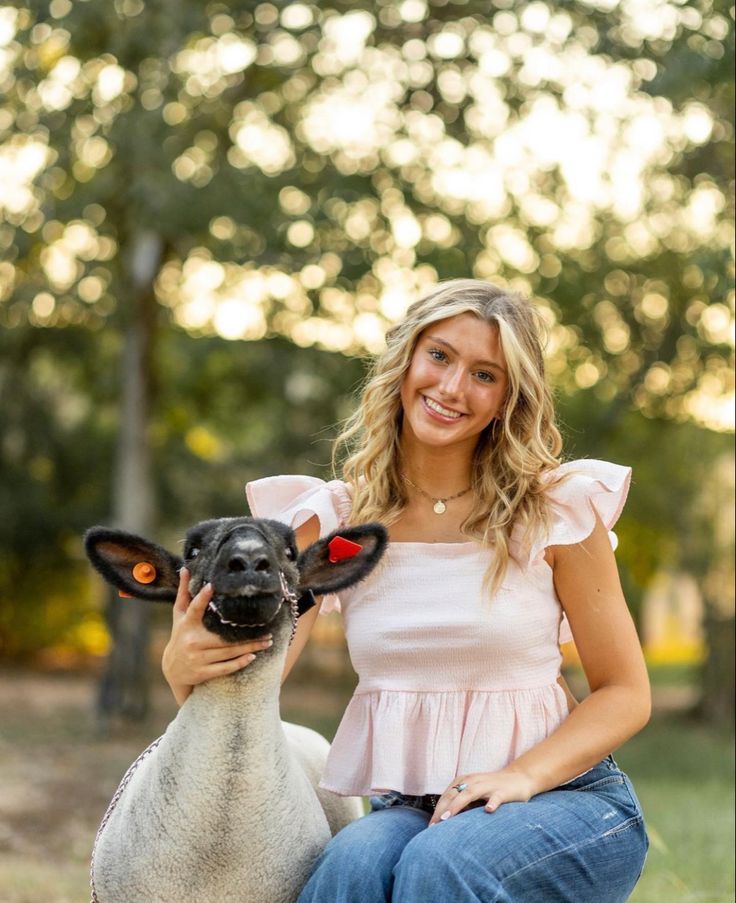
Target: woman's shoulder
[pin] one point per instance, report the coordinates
(579, 490)
(294, 498)
(589, 481)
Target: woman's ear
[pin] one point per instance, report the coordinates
(341, 559)
(132, 564)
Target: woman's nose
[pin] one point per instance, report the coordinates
(452, 381)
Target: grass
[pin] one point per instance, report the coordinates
(673, 675)
(56, 778)
(684, 777)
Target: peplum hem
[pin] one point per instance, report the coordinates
(294, 499)
(417, 742)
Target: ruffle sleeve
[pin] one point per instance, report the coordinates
(588, 487)
(294, 499)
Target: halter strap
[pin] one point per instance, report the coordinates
(287, 595)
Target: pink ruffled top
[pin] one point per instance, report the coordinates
(450, 681)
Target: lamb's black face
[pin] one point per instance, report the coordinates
(252, 564)
(243, 559)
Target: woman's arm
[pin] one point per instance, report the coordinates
(587, 583)
(588, 586)
(194, 654)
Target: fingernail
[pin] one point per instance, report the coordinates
(251, 657)
(268, 643)
(444, 816)
(207, 587)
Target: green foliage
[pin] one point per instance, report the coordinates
(223, 128)
(305, 171)
(665, 525)
(231, 412)
(55, 440)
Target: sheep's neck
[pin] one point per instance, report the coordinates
(224, 758)
(227, 743)
(228, 721)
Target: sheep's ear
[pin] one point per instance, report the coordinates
(341, 559)
(134, 565)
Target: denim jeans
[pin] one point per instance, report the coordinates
(583, 842)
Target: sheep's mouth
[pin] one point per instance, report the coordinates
(244, 610)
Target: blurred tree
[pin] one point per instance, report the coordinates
(248, 169)
(679, 517)
(55, 432)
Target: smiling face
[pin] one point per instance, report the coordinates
(456, 383)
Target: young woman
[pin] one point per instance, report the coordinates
(488, 782)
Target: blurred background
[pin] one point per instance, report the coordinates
(210, 213)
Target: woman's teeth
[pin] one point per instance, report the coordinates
(445, 412)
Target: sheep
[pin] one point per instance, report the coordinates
(224, 806)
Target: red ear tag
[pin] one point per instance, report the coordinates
(342, 548)
(144, 572)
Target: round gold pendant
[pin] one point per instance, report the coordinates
(439, 507)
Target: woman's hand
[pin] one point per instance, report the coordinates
(496, 787)
(193, 654)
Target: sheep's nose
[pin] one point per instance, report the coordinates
(239, 563)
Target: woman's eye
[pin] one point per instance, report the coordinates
(485, 376)
(437, 354)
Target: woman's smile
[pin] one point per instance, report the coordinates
(435, 409)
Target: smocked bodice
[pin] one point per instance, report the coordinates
(420, 621)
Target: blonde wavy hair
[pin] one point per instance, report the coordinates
(513, 454)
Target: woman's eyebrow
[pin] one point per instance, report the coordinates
(440, 341)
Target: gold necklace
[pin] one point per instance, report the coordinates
(439, 506)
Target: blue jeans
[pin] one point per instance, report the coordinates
(583, 842)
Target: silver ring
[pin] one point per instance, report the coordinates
(460, 787)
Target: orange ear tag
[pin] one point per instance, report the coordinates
(124, 595)
(342, 548)
(144, 572)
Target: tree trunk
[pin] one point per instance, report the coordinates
(123, 690)
(716, 705)
(717, 677)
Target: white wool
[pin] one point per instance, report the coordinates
(311, 749)
(225, 808)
